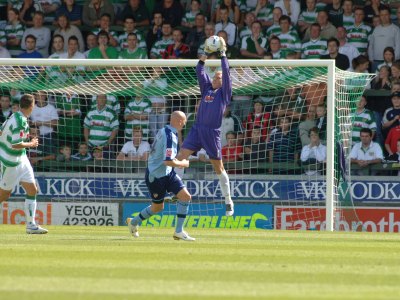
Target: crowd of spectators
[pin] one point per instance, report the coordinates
(361, 36)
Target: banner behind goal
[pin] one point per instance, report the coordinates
(96, 120)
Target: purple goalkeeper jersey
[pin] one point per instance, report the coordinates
(213, 102)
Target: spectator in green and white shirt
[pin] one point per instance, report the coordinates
(14, 31)
(129, 27)
(263, 12)
(111, 102)
(290, 40)
(362, 118)
(133, 51)
(159, 47)
(254, 46)
(189, 17)
(348, 16)
(358, 34)
(246, 30)
(100, 125)
(307, 16)
(137, 114)
(316, 46)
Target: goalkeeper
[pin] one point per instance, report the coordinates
(205, 133)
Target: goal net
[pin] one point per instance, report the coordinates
(285, 140)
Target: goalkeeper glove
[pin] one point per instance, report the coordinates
(222, 47)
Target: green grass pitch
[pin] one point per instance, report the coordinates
(106, 263)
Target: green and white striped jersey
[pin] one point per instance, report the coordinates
(358, 37)
(290, 42)
(122, 40)
(274, 29)
(101, 123)
(313, 49)
(13, 131)
(265, 13)
(308, 17)
(140, 106)
(190, 16)
(159, 47)
(364, 119)
(348, 21)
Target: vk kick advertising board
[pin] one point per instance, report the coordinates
(248, 216)
(269, 189)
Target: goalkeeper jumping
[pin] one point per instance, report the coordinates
(205, 133)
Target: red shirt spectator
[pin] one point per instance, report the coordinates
(257, 118)
(177, 49)
(232, 151)
(391, 140)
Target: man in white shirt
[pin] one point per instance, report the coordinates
(345, 48)
(226, 25)
(136, 149)
(45, 117)
(366, 153)
(314, 153)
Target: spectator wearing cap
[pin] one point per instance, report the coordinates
(258, 117)
(392, 115)
(137, 10)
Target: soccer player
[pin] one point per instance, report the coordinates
(205, 133)
(161, 178)
(15, 166)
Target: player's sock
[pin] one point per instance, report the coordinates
(225, 187)
(30, 210)
(143, 215)
(182, 209)
(180, 172)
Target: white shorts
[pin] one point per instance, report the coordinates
(12, 176)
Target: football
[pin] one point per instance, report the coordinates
(213, 44)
